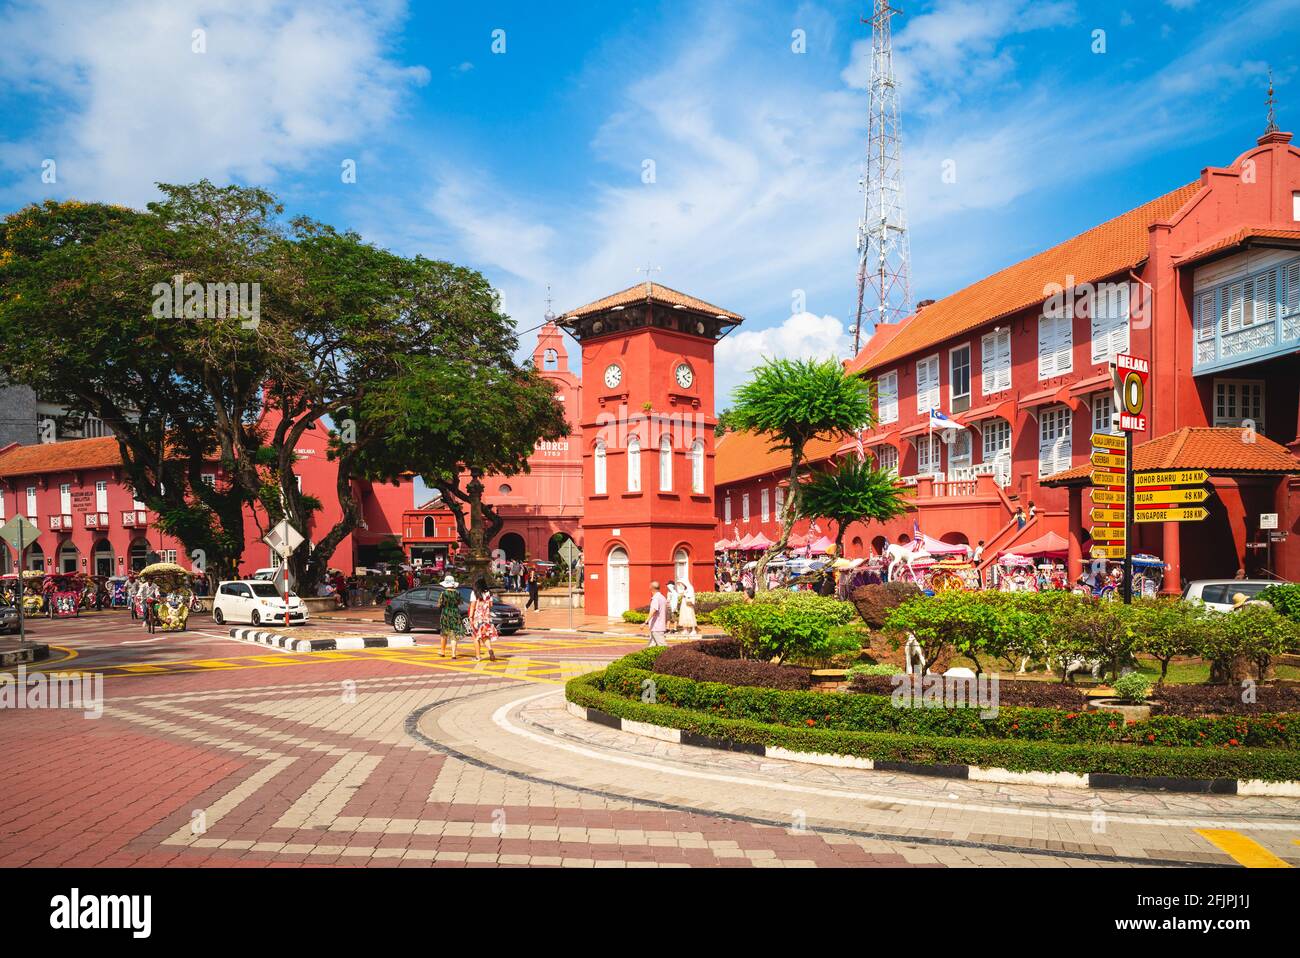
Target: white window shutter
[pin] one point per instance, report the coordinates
(1293, 289)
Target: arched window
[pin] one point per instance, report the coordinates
(682, 566)
(697, 466)
(633, 464)
(430, 528)
(665, 464)
(598, 467)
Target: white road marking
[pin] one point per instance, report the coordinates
(500, 719)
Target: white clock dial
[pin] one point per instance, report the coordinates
(613, 375)
(685, 376)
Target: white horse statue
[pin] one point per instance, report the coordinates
(904, 555)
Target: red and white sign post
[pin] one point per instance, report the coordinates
(1130, 376)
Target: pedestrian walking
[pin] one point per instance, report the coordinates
(686, 621)
(480, 620)
(979, 552)
(1033, 509)
(657, 622)
(450, 622)
(534, 593)
(673, 599)
(1020, 517)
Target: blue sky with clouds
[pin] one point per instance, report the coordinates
(528, 163)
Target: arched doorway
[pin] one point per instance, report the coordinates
(35, 557)
(618, 582)
(855, 547)
(68, 556)
(102, 557)
(955, 539)
(879, 544)
(555, 544)
(137, 557)
(681, 565)
(430, 528)
(512, 544)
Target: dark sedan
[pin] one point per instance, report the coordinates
(419, 608)
(8, 618)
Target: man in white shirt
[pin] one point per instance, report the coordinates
(657, 622)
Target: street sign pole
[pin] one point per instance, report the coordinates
(22, 626)
(1128, 518)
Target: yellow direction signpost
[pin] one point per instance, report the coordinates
(1107, 552)
(1107, 460)
(1102, 477)
(1151, 497)
(1108, 534)
(1105, 440)
(1171, 514)
(1102, 496)
(1108, 515)
(1170, 477)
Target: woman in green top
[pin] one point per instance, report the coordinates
(449, 617)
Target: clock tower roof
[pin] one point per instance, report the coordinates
(649, 305)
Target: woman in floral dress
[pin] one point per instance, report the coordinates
(480, 621)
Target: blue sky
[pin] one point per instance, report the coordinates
(528, 163)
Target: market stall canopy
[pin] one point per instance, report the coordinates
(821, 545)
(1048, 544)
(722, 545)
(937, 547)
(797, 541)
(743, 542)
(760, 541)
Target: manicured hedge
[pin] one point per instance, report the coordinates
(719, 660)
(1010, 692)
(877, 713)
(1201, 763)
(1191, 700)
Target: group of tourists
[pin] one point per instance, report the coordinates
(672, 612)
(478, 619)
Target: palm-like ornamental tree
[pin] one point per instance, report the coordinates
(854, 491)
(794, 401)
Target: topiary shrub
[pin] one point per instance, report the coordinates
(781, 624)
(1285, 597)
(636, 616)
(1133, 687)
(718, 660)
(875, 601)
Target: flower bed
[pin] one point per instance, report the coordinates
(719, 660)
(1018, 738)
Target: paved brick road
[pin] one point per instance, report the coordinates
(213, 751)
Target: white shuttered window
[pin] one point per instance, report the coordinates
(995, 361)
(1054, 440)
(1055, 346)
(927, 384)
(887, 397)
(1110, 307)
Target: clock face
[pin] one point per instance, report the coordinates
(685, 376)
(613, 375)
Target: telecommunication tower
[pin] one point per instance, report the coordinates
(884, 258)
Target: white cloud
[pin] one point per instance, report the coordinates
(801, 335)
(278, 84)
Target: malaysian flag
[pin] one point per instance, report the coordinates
(939, 421)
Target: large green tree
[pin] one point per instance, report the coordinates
(793, 402)
(454, 421)
(853, 491)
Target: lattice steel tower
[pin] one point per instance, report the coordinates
(884, 259)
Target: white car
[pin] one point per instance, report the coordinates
(1217, 593)
(256, 602)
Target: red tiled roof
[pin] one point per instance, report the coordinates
(655, 293)
(1116, 245)
(744, 455)
(1217, 450)
(60, 457)
(1236, 238)
(880, 337)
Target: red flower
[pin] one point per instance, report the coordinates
(812, 722)
(1232, 741)
(1112, 724)
(1069, 715)
(1151, 738)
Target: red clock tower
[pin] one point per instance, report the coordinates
(647, 433)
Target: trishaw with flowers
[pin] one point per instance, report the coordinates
(169, 590)
(62, 594)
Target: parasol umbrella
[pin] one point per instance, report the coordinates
(1048, 544)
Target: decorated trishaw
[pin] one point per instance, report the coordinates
(117, 592)
(1016, 573)
(28, 585)
(168, 590)
(63, 592)
(954, 573)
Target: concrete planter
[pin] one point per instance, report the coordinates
(1131, 711)
(829, 680)
(318, 604)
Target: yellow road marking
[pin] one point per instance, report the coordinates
(1243, 850)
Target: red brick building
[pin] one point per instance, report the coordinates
(1203, 281)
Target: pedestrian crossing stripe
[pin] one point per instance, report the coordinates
(1243, 850)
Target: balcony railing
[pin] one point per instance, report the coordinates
(134, 519)
(61, 523)
(96, 520)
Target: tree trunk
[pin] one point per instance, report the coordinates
(787, 523)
